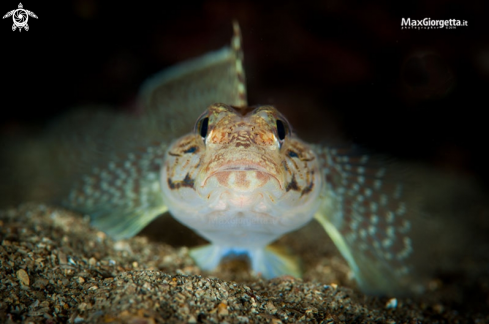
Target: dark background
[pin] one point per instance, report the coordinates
(342, 68)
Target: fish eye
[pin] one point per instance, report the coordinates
(203, 127)
(281, 130)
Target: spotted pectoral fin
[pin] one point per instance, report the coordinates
(123, 196)
(368, 208)
(273, 262)
(373, 272)
(175, 97)
(121, 215)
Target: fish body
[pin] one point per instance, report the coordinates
(241, 178)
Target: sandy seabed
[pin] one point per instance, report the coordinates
(56, 269)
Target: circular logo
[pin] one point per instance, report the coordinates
(20, 18)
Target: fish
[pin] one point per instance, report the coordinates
(238, 175)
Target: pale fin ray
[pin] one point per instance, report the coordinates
(125, 224)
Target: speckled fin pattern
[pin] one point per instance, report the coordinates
(119, 186)
(367, 209)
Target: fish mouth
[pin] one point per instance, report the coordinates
(255, 171)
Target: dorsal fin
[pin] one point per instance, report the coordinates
(175, 97)
(237, 46)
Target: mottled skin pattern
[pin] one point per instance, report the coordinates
(241, 179)
(240, 185)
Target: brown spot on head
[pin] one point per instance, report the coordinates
(292, 185)
(186, 182)
(307, 189)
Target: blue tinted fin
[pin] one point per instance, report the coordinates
(273, 262)
(269, 262)
(207, 257)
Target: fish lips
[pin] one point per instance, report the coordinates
(242, 176)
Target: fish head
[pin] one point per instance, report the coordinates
(241, 169)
